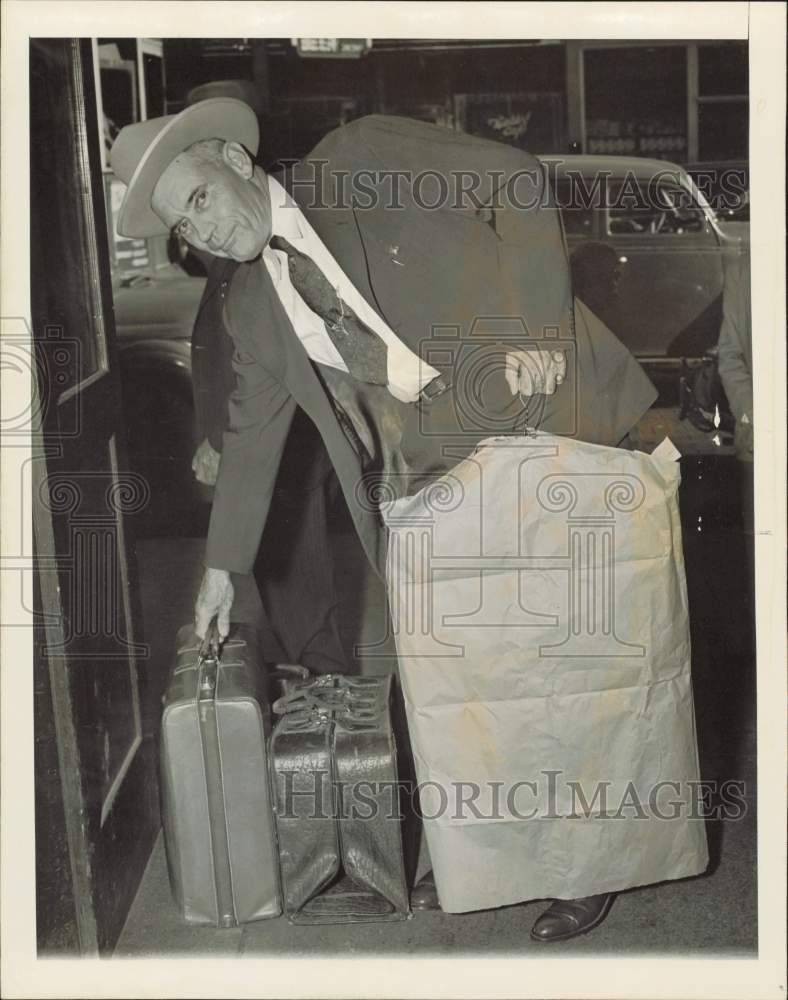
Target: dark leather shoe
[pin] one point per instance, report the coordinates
(567, 918)
(425, 894)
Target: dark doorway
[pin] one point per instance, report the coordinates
(96, 813)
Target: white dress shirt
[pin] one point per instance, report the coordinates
(407, 373)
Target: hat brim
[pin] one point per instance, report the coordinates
(217, 118)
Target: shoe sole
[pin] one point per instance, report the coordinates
(565, 937)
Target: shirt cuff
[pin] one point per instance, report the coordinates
(407, 373)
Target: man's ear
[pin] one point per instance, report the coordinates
(235, 156)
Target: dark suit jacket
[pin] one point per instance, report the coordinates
(472, 280)
(306, 466)
(212, 350)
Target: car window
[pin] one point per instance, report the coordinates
(725, 188)
(578, 219)
(659, 210)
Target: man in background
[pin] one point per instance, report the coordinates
(735, 367)
(596, 273)
(735, 351)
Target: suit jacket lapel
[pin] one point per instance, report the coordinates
(261, 315)
(219, 272)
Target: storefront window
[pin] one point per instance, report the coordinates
(723, 81)
(722, 69)
(529, 121)
(722, 130)
(636, 101)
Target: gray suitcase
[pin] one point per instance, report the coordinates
(216, 808)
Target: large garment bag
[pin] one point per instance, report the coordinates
(539, 606)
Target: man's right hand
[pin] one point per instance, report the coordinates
(205, 464)
(214, 599)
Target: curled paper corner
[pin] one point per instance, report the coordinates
(666, 451)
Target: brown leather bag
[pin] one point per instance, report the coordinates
(334, 776)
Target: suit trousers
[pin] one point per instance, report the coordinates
(294, 568)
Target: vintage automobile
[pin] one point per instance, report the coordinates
(155, 306)
(668, 242)
(648, 255)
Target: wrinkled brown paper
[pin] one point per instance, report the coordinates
(539, 603)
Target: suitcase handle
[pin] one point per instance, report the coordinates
(324, 695)
(211, 645)
(291, 676)
(290, 672)
(303, 699)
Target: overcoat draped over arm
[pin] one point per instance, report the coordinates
(490, 271)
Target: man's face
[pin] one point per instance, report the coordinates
(221, 207)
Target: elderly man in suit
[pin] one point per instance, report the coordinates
(296, 582)
(393, 261)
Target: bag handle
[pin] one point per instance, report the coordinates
(306, 698)
(293, 672)
(211, 645)
(334, 695)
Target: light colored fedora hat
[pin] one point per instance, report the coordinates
(143, 151)
(240, 90)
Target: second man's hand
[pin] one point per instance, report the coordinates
(205, 464)
(215, 599)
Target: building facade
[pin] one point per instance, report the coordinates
(684, 101)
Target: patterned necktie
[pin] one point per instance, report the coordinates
(361, 349)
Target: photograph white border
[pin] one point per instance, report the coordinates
(719, 977)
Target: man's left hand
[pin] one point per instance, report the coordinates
(532, 373)
(215, 599)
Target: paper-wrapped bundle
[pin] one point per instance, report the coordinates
(539, 603)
